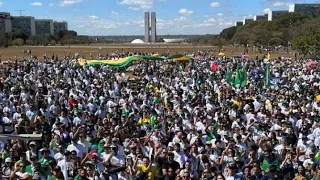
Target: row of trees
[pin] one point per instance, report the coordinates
(299, 30)
(17, 37)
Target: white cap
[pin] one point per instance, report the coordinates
(8, 160)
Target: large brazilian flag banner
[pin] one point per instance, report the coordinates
(119, 63)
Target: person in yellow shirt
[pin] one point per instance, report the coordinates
(145, 169)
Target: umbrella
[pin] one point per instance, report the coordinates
(214, 67)
(184, 58)
(310, 63)
(221, 54)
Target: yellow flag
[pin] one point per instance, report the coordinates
(268, 57)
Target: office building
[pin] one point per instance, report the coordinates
(246, 21)
(5, 22)
(153, 27)
(146, 27)
(261, 17)
(26, 23)
(44, 27)
(272, 15)
(312, 10)
(59, 26)
(238, 23)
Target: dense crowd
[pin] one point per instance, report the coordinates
(160, 120)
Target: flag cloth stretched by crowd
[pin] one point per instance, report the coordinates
(240, 79)
(229, 77)
(268, 56)
(121, 62)
(267, 76)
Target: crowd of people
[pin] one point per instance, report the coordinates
(160, 121)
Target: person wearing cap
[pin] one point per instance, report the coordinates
(32, 150)
(46, 161)
(94, 160)
(6, 168)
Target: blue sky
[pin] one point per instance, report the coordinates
(125, 17)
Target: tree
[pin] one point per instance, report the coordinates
(66, 33)
(18, 42)
(3, 40)
(220, 42)
(275, 41)
(53, 42)
(17, 34)
(228, 33)
(306, 44)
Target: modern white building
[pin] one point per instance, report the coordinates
(59, 26)
(246, 21)
(5, 22)
(44, 27)
(238, 23)
(272, 15)
(26, 23)
(261, 17)
(308, 9)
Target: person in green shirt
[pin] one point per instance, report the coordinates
(46, 161)
(56, 174)
(126, 110)
(81, 174)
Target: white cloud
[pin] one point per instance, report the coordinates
(185, 12)
(142, 4)
(215, 4)
(93, 17)
(36, 4)
(220, 14)
(266, 10)
(114, 13)
(250, 16)
(69, 2)
(1, 3)
(279, 4)
(134, 8)
(51, 4)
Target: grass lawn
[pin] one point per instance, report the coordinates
(95, 49)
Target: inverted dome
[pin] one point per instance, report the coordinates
(137, 41)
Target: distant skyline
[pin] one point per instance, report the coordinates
(125, 17)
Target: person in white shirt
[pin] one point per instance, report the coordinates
(79, 120)
(75, 146)
(8, 124)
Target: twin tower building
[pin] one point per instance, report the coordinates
(150, 34)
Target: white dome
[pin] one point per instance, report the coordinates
(137, 41)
